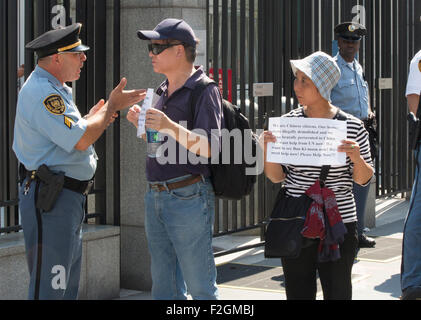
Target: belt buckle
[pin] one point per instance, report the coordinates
(155, 187)
(88, 187)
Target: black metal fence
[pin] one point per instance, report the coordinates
(254, 40)
(249, 41)
(40, 16)
(8, 95)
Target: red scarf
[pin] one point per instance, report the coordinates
(324, 207)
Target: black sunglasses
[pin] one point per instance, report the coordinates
(156, 48)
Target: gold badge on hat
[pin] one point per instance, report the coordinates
(55, 104)
(352, 28)
(419, 65)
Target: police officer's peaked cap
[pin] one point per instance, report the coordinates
(59, 40)
(350, 30)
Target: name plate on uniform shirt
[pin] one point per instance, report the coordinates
(304, 141)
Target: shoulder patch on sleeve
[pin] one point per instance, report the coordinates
(68, 122)
(55, 104)
(419, 65)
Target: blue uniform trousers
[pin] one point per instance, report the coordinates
(360, 195)
(53, 242)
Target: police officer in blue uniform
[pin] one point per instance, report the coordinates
(352, 96)
(53, 144)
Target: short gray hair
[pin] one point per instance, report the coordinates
(191, 52)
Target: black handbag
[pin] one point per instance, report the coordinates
(283, 237)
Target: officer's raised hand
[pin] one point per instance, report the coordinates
(99, 120)
(121, 99)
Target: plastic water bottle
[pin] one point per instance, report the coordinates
(154, 142)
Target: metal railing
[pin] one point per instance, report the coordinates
(8, 97)
(232, 44)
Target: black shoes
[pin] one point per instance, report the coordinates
(411, 293)
(366, 242)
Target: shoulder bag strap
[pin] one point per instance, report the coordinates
(323, 175)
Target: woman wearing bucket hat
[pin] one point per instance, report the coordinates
(315, 76)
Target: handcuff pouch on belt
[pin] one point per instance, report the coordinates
(50, 188)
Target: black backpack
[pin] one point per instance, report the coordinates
(230, 181)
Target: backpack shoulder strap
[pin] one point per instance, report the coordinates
(201, 86)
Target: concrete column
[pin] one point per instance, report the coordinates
(136, 67)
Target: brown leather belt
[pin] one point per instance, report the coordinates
(175, 185)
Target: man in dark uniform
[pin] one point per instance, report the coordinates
(53, 143)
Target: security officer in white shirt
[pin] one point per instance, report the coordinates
(53, 143)
(411, 253)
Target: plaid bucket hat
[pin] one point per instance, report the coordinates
(322, 69)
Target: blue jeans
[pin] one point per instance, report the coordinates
(411, 252)
(179, 227)
(360, 196)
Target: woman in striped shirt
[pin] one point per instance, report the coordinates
(316, 75)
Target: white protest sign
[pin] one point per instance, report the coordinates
(304, 141)
(147, 104)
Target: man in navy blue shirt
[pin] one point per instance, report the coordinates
(179, 203)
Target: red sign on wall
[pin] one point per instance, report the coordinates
(220, 82)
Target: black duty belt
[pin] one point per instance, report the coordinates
(83, 187)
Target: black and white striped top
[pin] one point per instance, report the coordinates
(339, 179)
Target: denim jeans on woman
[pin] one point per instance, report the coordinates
(179, 228)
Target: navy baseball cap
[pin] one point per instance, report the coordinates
(170, 29)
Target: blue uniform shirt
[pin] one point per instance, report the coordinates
(351, 92)
(47, 127)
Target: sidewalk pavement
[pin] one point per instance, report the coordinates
(247, 275)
